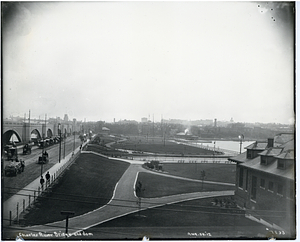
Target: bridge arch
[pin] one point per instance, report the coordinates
(35, 135)
(49, 133)
(11, 136)
(65, 132)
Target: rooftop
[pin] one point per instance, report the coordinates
(273, 151)
(271, 168)
(281, 150)
(257, 145)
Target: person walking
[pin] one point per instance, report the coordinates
(42, 181)
(48, 178)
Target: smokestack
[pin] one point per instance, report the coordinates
(270, 142)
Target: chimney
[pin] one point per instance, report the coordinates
(270, 142)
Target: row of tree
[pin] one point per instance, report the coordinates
(232, 131)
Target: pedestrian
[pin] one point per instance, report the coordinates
(22, 164)
(48, 178)
(42, 181)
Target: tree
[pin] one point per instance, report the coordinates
(138, 190)
(202, 176)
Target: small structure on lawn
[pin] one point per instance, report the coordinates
(105, 131)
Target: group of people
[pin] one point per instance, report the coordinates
(42, 180)
(47, 176)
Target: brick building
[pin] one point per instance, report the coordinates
(265, 182)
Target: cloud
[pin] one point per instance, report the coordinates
(117, 59)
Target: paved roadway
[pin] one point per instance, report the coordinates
(30, 178)
(11, 184)
(53, 151)
(123, 202)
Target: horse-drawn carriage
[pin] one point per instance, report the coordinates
(27, 149)
(15, 165)
(11, 151)
(44, 158)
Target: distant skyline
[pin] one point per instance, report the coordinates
(156, 120)
(128, 60)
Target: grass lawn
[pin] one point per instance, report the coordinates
(157, 186)
(87, 185)
(187, 220)
(108, 139)
(104, 150)
(158, 146)
(213, 172)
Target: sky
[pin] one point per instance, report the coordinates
(127, 60)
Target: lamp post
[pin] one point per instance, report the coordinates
(214, 151)
(44, 144)
(42, 166)
(59, 132)
(64, 145)
(29, 127)
(241, 137)
(74, 143)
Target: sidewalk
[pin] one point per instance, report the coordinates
(16, 204)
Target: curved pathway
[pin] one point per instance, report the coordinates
(124, 202)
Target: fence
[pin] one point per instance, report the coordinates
(32, 195)
(207, 147)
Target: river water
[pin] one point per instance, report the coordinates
(226, 145)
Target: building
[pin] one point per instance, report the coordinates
(105, 131)
(144, 120)
(265, 182)
(66, 118)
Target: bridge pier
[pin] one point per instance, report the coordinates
(26, 135)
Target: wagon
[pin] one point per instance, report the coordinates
(14, 168)
(43, 159)
(27, 149)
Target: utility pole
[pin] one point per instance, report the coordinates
(45, 125)
(42, 166)
(153, 127)
(74, 142)
(64, 145)
(43, 157)
(29, 126)
(59, 132)
(161, 125)
(214, 151)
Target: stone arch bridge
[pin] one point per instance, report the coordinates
(23, 132)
